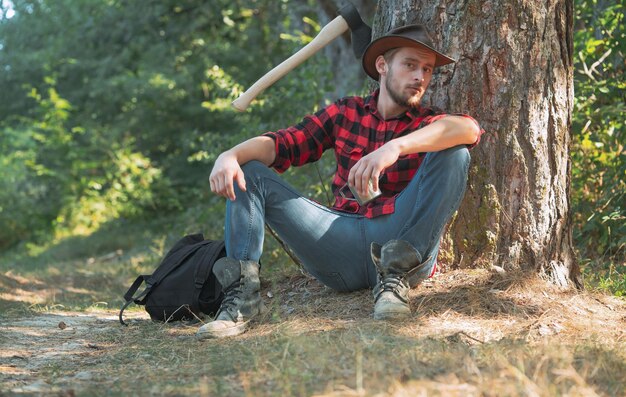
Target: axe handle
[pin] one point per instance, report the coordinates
(328, 33)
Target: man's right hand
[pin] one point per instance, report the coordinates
(225, 171)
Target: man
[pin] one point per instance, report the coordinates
(416, 156)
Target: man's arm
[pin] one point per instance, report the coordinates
(439, 135)
(227, 167)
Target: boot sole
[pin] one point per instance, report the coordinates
(392, 315)
(235, 330)
(224, 332)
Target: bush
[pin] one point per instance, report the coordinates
(598, 153)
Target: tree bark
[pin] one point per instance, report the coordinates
(514, 74)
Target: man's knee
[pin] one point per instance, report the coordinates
(451, 161)
(255, 171)
(254, 167)
(457, 155)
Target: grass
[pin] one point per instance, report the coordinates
(608, 275)
(473, 333)
(314, 356)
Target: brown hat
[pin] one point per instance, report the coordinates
(404, 36)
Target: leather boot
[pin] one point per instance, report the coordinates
(397, 263)
(242, 298)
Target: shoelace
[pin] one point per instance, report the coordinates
(229, 298)
(391, 284)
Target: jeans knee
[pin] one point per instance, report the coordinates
(454, 160)
(253, 167)
(255, 171)
(459, 156)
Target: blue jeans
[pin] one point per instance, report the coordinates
(334, 246)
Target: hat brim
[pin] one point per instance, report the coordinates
(386, 43)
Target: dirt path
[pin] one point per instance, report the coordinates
(33, 346)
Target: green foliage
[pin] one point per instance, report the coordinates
(123, 114)
(34, 154)
(606, 276)
(599, 154)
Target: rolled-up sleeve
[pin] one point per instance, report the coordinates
(306, 141)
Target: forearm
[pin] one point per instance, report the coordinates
(261, 148)
(227, 167)
(440, 135)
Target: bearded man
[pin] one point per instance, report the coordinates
(406, 168)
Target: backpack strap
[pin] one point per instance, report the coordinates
(129, 298)
(211, 253)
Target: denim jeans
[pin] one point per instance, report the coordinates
(334, 246)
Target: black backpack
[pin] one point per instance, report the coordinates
(183, 286)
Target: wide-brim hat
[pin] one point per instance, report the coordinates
(404, 36)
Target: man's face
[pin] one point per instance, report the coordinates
(408, 74)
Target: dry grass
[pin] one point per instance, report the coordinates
(474, 333)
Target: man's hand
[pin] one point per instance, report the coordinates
(227, 167)
(225, 171)
(371, 166)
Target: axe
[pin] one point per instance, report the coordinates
(348, 18)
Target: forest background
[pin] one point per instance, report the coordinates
(112, 113)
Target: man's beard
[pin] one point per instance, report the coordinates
(412, 101)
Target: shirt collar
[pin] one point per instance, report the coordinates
(371, 102)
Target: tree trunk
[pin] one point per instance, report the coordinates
(514, 74)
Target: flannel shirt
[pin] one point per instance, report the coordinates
(353, 127)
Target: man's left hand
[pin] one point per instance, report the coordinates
(369, 167)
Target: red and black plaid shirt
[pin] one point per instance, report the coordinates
(353, 127)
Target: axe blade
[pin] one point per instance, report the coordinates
(360, 32)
